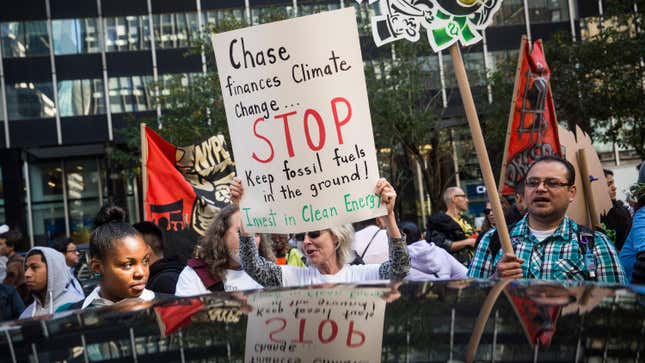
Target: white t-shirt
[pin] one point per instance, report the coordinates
(378, 252)
(541, 235)
(189, 283)
(298, 276)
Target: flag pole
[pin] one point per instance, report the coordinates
(480, 147)
(509, 128)
(144, 168)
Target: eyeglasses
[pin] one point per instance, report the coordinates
(73, 251)
(487, 211)
(312, 235)
(460, 196)
(548, 183)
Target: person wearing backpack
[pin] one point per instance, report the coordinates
(548, 244)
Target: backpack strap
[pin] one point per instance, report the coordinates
(370, 243)
(495, 244)
(201, 268)
(586, 244)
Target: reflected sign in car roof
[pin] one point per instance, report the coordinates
(418, 322)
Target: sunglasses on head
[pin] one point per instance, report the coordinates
(312, 235)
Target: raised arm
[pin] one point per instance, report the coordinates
(265, 272)
(398, 265)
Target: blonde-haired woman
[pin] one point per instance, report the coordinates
(328, 252)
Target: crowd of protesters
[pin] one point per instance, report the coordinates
(128, 261)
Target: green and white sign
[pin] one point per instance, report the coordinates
(445, 21)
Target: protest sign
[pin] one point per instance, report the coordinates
(532, 130)
(299, 120)
(316, 325)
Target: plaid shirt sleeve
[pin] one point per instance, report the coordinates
(481, 266)
(609, 268)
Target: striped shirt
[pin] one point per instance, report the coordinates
(558, 257)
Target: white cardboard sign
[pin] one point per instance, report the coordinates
(299, 120)
(316, 325)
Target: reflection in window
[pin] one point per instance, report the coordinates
(127, 33)
(2, 216)
(83, 196)
(510, 13)
(24, 39)
(501, 57)
(175, 30)
(46, 181)
(128, 94)
(270, 13)
(313, 8)
(546, 11)
(75, 36)
(216, 17)
(81, 97)
(474, 63)
(27, 100)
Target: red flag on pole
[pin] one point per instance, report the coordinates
(184, 187)
(533, 126)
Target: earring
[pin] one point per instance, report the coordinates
(337, 246)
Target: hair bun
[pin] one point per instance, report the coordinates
(110, 214)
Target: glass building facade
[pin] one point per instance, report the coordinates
(73, 71)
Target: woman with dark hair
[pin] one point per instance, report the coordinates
(120, 257)
(216, 263)
(328, 252)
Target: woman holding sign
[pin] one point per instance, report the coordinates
(328, 252)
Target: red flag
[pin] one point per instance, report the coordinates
(185, 188)
(533, 127)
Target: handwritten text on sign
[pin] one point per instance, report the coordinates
(316, 325)
(299, 120)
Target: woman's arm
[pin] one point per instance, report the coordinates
(265, 272)
(398, 265)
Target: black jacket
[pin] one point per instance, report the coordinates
(164, 274)
(443, 230)
(619, 219)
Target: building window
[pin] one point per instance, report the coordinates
(83, 197)
(27, 100)
(510, 13)
(315, 8)
(261, 15)
(75, 36)
(175, 30)
(47, 205)
(81, 97)
(547, 11)
(364, 14)
(130, 94)
(24, 39)
(216, 17)
(2, 215)
(127, 33)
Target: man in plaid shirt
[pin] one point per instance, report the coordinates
(545, 241)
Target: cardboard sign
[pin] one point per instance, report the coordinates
(299, 120)
(316, 325)
(446, 21)
(578, 208)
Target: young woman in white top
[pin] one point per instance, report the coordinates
(216, 262)
(328, 252)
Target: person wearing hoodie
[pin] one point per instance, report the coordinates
(49, 281)
(429, 262)
(164, 271)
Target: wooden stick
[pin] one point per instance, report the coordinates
(480, 147)
(482, 318)
(593, 219)
(511, 114)
(144, 168)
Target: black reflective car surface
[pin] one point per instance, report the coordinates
(484, 321)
